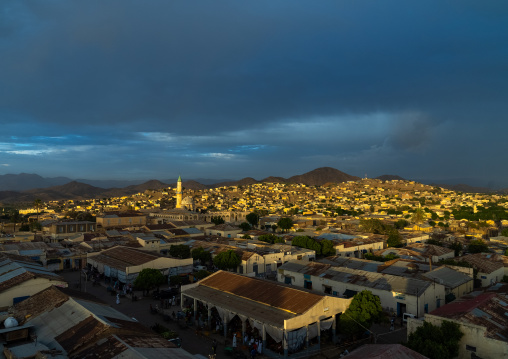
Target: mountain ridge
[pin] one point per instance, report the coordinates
(74, 189)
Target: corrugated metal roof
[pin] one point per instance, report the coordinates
(261, 291)
(379, 281)
(487, 310)
(448, 276)
(262, 312)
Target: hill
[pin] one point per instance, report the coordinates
(320, 176)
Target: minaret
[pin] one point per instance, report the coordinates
(179, 193)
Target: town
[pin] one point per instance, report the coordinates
(263, 269)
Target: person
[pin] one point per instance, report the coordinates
(214, 346)
(246, 339)
(253, 353)
(260, 347)
(392, 325)
(234, 340)
(118, 299)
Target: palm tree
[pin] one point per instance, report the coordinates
(418, 216)
(15, 218)
(37, 205)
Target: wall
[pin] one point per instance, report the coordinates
(327, 307)
(27, 288)
(474, 336)
(388, 299)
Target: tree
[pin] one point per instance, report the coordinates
(227, 260)
(364, 310)
(245, 226)
(437, 342)
(504, 232)
(274, 227)
(253, 219)
(201, 255)
(477, 246)
(217, 220)
(37, 205)
(401, 223)
(285, 223)
(268, 238)
(179, 251)
(15, 217)
(418, 216)
(457, 247)
(148, 278)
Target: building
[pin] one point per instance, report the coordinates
(456, 283)
(285, 318)
(63, 229)
(63, 323)
(397, 294)
(121, 219)
(21, 278)
(481, 318)
(124, 263)
(490, 270)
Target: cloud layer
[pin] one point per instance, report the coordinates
(228, 89)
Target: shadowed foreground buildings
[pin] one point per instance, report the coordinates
(483, 320)
(62, 323)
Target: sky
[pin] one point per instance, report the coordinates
(154, 89)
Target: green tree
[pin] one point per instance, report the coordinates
(37, 205)
(201, 274)
(327, 247)
(401, 223)
(148, 278)
(15, 218)
(437, 342)
(217, 220)
(394, 239)
(179, 251)
(285, 223)
(364, 310)
(201, 255)
(245, 226)
(457, 247)
(274, 227)
(418, 216)
(504, 232)
(253, 219)
(227, 260)
(477, 246)
(268, 238)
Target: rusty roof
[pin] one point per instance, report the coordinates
(429, 250)
(484, 262)
(262, 291)
(121, 257)
(80, 335)
(487, 310)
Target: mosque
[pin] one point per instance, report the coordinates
(185, 210)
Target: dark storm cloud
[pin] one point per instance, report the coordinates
(351, 85)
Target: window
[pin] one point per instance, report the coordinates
(307, 284)
(327, 289)
(471, 348)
